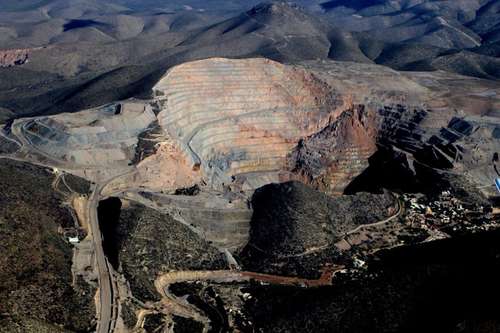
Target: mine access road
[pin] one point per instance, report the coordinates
(107, 310)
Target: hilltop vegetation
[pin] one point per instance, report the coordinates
(36, 287)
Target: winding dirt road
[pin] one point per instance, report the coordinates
(182, 308)
(380, 223)
(107, 307)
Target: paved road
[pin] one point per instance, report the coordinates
(105, 279)
(105, 283)
(108, 309)
(106, 297)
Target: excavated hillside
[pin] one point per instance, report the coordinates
(238, 120)
(238, 124)
(246, 123)
(98, 137)
(243, 164)
(331, 158)
(231, 126)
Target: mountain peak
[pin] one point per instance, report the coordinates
(275, 8)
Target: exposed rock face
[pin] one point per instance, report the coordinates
(238, 120)
(98, 138)
(247, 123)
(169, 156)
(239, 124)
(468, 145)
(332, 157)
(465, 144)
(16, 57)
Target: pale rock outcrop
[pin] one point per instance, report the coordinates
(97, 138)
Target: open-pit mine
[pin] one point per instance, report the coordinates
(241, 180)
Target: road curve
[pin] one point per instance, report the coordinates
(180, 306)
(399, 211)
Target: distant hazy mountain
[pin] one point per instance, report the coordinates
(449, 24)
(93, 52)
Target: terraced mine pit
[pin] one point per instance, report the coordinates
(101, 138)
(244, 134)
(238, 119)
(236, 125)
(241, 173)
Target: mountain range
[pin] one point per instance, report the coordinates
(73, 52)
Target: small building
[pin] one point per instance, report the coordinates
(74, 235)
(74, 240)
(497, 183)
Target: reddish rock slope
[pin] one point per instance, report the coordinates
(15, 57)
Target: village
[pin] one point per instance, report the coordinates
(447, 215)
